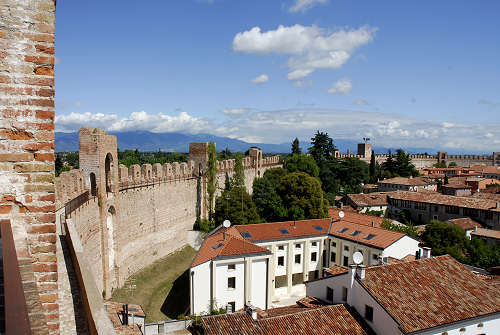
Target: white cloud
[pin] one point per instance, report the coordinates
(361, 102)
(234, 111)
(309, 47)
(302, 83)
(342, 86)
(304, 5)
(263, 78)
(279, 126)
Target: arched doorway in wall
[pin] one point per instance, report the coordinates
(108, 169)
(93, 185)
(110, 220)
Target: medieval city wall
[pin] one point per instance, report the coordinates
(156, 207)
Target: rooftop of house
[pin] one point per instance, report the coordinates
(355, 217)
(336, 270)
(370, 199)
(239, 240)
(225, 242)
(489, 233)
(457, 186)
(418, 181)
(486, 169)
(465, 223)
(326, 320)
(115, 309)
(409, 289)
(487, 195)
(448, 200)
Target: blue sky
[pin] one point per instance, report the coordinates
(408, 73)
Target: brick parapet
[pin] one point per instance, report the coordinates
(27, 149)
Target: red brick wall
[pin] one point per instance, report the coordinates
(27, 149)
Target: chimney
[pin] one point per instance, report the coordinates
(361, 272)
(352, 272)
(252, 311)
(417, 254)
(426, 252)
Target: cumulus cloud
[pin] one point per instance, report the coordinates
(304, 5)
(279, 126)
(263, 78)
(310, 48)
(234, 111)
(157, 123)
(342, 86)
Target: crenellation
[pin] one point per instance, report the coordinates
(167, 171)
(147, 172)
(157, 171)
(176, 170)
(134, 172)
(122, 173)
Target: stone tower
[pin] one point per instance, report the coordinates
(198, 152)
(365, 150)
(98, 159)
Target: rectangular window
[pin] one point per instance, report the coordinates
(231, 282)
(375, 257)
(231, 307)
(297, 278)
(297, 259)
(231, 266)
(334, 244)
(280, 281)
(329, 294)
(333, 257)
(281, 261)
(314, 256)
(281, 247)
(346, 261)
(346, 248)
(369, 313)
(344, 293)
(298, 246)
(314, 244)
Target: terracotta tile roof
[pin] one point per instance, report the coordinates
(485, 195)
(418, 181)
(465, 223)
(321, 321)
(486, 169)
(490, 233)
(336, 270)
(355, 217)
(311, 302)
(407, 258)
(449, 200)
(216, 246)
(239, 323)
(276, 230)
(430, 292)
(457, 186)
(113, 309)
(370, 199)
(371, 236)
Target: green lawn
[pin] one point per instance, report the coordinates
(162, 289)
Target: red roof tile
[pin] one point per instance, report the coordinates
(372, 236)
(216, 245)
(336, 270)
(354, 217)
(465, 223)
(239, 323)
(370, 199)
(419, 181)
(430, 292)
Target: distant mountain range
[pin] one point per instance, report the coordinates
(179, 142)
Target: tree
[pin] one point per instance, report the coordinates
(403, 165)
(373, 168)
(389, 165)
(268, 202)
(409, 230)
(237, 206)
(211, 175)
(440, 165)
(299, 190)
(296, 147)
(322, 147)
(452, 164)
(352, 172)
(446, 181)
(302, 163)
(482, 255)
(58, 165)
(446, 239)
(238, 179)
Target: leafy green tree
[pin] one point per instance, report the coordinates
(452, 164)
(446, 181)
(409, 230)
(389, 165)
(211, 175)
(225, 154)
(299, 190)
(296, 147)
(58, 165)
(446, 239)
(302, 163)
(482, 255)
(274, 176)
(440, 165)
(238, 179)
(353, 172)
(322, 147)
(404, 167)
(237, 206)
(268, 202)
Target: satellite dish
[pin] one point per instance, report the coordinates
(341, 214)
(226, 223)
(357, 257)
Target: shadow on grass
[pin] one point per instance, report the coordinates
(177, 300)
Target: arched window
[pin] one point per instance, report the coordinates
(109, 172)
(93, 185)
